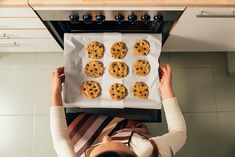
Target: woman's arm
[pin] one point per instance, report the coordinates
(173, 141)
(60, 138)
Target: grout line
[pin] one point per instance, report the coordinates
(33, 135)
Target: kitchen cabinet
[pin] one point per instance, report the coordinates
(17, 12)
(22, 31)
(21, 23)
(29, 45)
(203, 29)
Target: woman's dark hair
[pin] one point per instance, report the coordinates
(115, 154)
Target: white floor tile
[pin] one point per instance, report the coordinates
(16, 136)
(49, 60)
(17, 60)
(194, 89)
(42, 142)
(225, 90)
(202, 132)
(227, 133)
(163, 59)
(197, 59)
(17, 92)
(43, 92)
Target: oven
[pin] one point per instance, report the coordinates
(112, 19)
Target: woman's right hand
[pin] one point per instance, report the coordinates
(166, 82)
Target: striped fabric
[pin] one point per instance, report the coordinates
(87, 129)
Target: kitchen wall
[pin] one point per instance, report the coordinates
(205, 94)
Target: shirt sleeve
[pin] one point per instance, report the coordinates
(170, 143)
(60, 138)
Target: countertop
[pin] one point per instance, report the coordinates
(14, 3)
(137, 3)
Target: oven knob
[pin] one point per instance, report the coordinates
(119, 18)
(74, 18)
(158, 18)
(132, 18)
(145, 18)
(87, 18)
(100, 18)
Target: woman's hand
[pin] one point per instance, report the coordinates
(166, 82)
(57, 80)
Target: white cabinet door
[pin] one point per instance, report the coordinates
(29, 45)
(215, 31)
(21, 23)
(24, 34)
(16, 12)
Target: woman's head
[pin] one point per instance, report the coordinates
(110, 148)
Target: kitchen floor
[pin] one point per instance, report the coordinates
(205, 93)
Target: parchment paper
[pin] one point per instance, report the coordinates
(76, 58)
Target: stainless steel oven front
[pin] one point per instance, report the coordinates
(112, 19)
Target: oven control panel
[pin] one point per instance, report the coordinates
(101, 16)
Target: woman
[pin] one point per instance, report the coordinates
(139, 143)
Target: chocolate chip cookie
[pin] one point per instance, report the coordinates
(95, 50)
(141, 67)
(118, 69)
(141, 48)
(94, 69)
(140, 90)
(118, 91)
(118, 50)
(90, 89)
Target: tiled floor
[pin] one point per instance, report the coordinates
(205, 93)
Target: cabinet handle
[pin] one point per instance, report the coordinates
(4, 36)
(15, 44)
(205, 14)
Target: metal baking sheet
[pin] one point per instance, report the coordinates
(76, 58)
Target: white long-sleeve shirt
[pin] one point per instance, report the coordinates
(168, 144)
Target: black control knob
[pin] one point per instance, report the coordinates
(158, 18)
(145, 18)
(87, 18)
(119, 18)
(100, 18)
(74, 18)
(132, 18)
